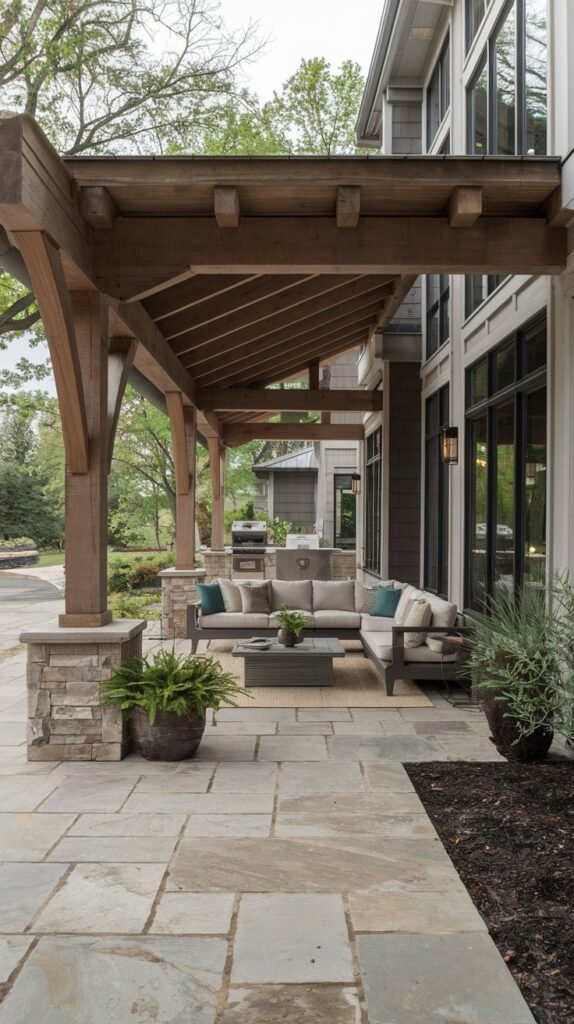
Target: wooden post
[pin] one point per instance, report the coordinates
(314, 375)
(86, 526)
(183, 436)
(217, 466)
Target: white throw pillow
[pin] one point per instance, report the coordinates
(333, 595)
(409, 594)
(231, 595)
(419, 614)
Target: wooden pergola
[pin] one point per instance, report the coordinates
(215, 278)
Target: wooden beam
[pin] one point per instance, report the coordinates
(120, 361)
(44, 266)
(557, 216)
(314, 371)
(217, 470)
(290, 400)
(239, 433)
(97, 207)
(348, 206)
(226, 206)
(183, 434)
(465, 207)
(86, 494)
(139, 250)
(191, 292)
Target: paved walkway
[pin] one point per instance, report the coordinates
(289, 874)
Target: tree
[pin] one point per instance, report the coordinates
(26, 509)
(104, 74)
(317, 107)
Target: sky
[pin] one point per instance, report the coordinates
(291, 31)
(304, 28)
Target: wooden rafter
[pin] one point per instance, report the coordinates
(192, 291)
(285, 400)
(240, 433)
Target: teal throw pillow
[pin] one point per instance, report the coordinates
(211, 599)
(386, 601)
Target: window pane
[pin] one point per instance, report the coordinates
(504, 367)
(505, 51)
(478, 513)
(535, 348)
(478, 382)
(474, 292)
(474, 14)
(536, 76)
(505, 474)
(345, 512)
(432, 424)
(373, 502)
(535, 490)
(478, 115)
(445, 80)
(432, 515)
(433, 105)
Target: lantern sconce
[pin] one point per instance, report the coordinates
(356, 483)
(449, 446)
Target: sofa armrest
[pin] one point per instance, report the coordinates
(399, 632)
(193, 611)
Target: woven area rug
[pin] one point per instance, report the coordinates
(357, 684)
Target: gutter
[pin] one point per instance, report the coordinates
(373, 83)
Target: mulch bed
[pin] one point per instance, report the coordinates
(509, 830)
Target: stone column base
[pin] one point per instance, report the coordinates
(65, 668)
(178, 590)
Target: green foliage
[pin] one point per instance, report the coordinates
(132, 606)
(317, 107)
(17, 543)
(26, 507)
(277, 530)
(290, 620)
(127, 574)
(168, 682)
(523, 650)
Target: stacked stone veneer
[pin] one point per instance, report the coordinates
(65, 720)
(178, 591)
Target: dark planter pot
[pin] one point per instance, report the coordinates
(289, 639)
(171, 738)
(506, 734)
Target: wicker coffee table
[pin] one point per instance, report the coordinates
(309, 663)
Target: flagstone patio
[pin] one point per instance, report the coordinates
(290, 873)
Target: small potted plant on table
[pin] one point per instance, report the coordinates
(291, 626)
(165, 699)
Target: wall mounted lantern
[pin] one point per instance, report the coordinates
(356, 483)
(449, 446)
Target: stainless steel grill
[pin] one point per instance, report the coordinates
(248, 536)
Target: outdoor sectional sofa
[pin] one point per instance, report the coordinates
(338, 609)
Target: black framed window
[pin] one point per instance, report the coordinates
(438, 94)
(345, 505)
(477, 288)
(506, 466)
(373, 499)
(436, 495)
(437, 318)
(507, 96)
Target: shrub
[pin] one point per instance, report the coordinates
(17, 544)
(132, 606)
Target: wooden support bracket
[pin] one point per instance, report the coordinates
(465, 207)
(44, 265)
(226, 206)
(348, 206)
(97, 207)
(120, 361)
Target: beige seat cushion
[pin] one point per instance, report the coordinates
(376, 623)
(443, 612)
(334, 595)
(309, 615)
(419, 614)
(297, 594)
(382, 645)
(234, 620)
(325, 619)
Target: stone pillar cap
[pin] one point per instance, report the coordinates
(117, 631)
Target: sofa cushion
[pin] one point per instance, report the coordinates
(256, 597)
(231, 595)
(419, 614)
(308, 615)
(211, 598)
(376, 623)
(293, 593)
(334, 595)
(386, 602)
(366, 594)
(409, 594)
(234, 620)
(443, 612)
(382, 645)
(336, 619)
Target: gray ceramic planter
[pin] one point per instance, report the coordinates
(171, 738)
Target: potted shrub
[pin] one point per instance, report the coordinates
(291, 625)
(514, 658)
(165, 699)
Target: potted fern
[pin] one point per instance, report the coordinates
(165, 699)
(292, 624)
(514, 656)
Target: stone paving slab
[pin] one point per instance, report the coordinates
(305, 728)
(313, 865)
(438, 979)
(249, 727)
(291, 938)
(97, 794)
(389, 776)
(292, 1004)
(114, 849)
(423, 912)
(29, 837)
(292, 748)
(12, 949)
(226, 748)
(306, 825)
(193, 913)
(24, 888)
(239, 777)
(228, 825)
(299, 779)
(127, 825)
(367, 805)
(191, 782)
(160, 979)
(103, 898)
(26, 792)
(391, 748)
(201, 803)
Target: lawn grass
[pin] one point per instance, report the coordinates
(58, 557)
(50, 558)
